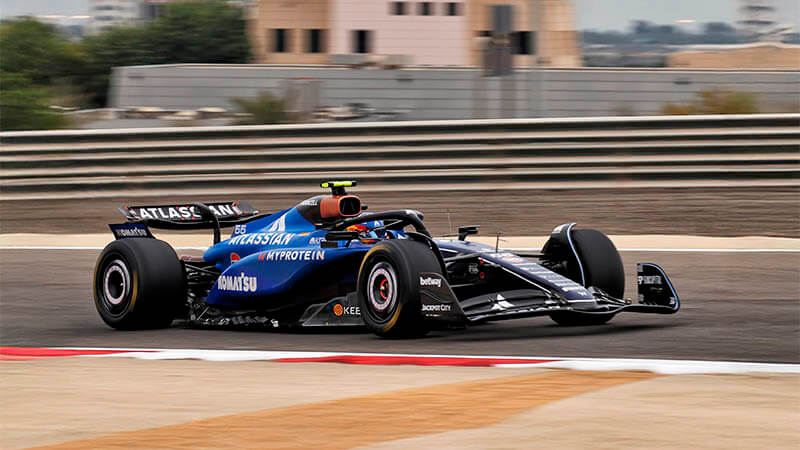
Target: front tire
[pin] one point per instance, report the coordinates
(138, 284)
(388, 287)
(602, 268)
(602, 264)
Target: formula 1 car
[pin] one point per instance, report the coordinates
(327, 262)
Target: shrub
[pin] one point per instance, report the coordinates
(24, 106)
(264, 109)
(716, 101)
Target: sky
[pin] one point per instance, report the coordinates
(591, 14)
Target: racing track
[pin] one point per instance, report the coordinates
(736, 306)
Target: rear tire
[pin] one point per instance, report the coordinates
(138, 284)
(388, 287)
(602, 268)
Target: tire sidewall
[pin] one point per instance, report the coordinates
(115, 315)
(382, 270)
(404, 290)
(408, 259)
(157, 287)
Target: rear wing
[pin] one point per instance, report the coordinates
(195, 216)
(191, 216)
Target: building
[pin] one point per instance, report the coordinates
(153, 9)
(109, 13)
(434, 33)
(757, 17)
(286, 32)
(760, 55)
(558, 41)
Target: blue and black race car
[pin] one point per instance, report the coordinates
(327, 262)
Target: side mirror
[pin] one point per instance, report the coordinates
(466, 230)
(332, 236)
(341, 235)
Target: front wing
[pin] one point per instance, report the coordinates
(656, 295)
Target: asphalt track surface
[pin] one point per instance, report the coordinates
(735, 306)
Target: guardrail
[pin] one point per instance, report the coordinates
(405, 127)
(469, 154)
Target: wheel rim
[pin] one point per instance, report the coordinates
(116, 285)
(382, 290)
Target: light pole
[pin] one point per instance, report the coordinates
(535, 13)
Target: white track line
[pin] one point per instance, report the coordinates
(669, 367)
(47, 247)
(522, 249)
(683, 250)
(664, 366)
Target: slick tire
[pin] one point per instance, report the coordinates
(602, 264)
(602, 268)
(138, 284)
(388, 288)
